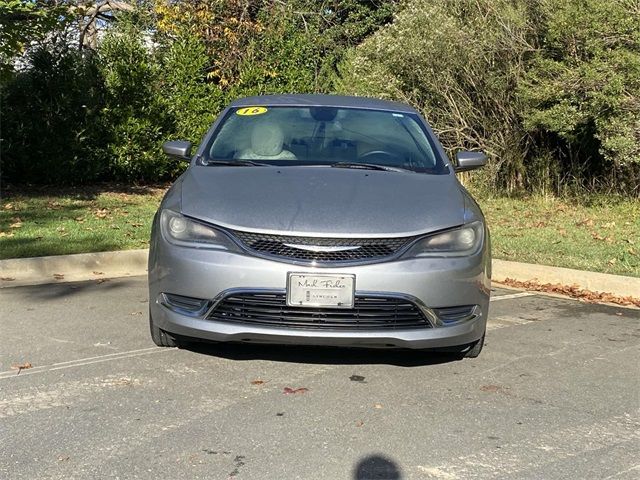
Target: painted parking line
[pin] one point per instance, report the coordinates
(512, 295)
(85, 361)
(495, 323)
(499, 322)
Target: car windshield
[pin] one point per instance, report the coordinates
(330, 136)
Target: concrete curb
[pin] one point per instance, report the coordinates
(93, 266)
(67, 268)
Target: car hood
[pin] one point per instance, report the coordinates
(318, 201)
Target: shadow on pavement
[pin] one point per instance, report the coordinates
(378, 467)
(321, 355)
(53, 291)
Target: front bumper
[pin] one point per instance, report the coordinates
(208, 274)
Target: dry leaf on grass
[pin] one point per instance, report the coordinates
(7, 235)
(587, 223)
(294, 391)
(101, 213)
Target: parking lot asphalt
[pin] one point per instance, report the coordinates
(554, 395)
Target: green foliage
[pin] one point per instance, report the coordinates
(134, 116)
(21, 22)
(458, 62)
(550, 89)
(585, 81)
(51, 118)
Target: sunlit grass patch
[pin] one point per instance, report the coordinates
(37, 223)
(601, 234)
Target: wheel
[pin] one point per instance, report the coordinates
(160, 337)
(475, 349)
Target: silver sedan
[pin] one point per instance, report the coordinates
(320, 220)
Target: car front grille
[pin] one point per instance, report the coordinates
(321, 250)
(271, 310)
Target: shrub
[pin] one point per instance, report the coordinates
(51, 118)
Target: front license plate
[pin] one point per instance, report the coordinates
(320, 290)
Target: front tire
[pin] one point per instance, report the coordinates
(159, 336)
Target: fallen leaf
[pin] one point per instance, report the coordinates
(16, 225)
(7, 279)
(377, 405)
(8, 206)
(58, 276)
(587, 223)
(573, 291)
(63, 458)
(490, 388)
(357, 378)
(101, 212)
(97, 273)
(257, 381)
(359, 423)
(612, 261)
(294, 391)
(7, 235)
(21, 366)
(135, 224)
(609, 225)
(135, 313)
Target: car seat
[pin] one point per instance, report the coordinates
(267, 143)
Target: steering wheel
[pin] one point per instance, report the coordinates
(381, 156)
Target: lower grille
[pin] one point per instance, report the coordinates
(271, 310)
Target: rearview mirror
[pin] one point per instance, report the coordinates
(180, 149)
(469, 161)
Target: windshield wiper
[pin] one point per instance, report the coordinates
(234, 163)
(367, 166)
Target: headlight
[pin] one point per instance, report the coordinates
(452, 243)
(185, 232)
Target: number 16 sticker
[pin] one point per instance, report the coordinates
(251, 111)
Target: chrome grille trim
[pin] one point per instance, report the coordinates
(321, 250)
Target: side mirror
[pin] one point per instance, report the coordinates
(180, 149)
(469, 161)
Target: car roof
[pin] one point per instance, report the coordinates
(322, 101)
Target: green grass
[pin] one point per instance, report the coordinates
(597, 234)
(96, 219)
(601, 235)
